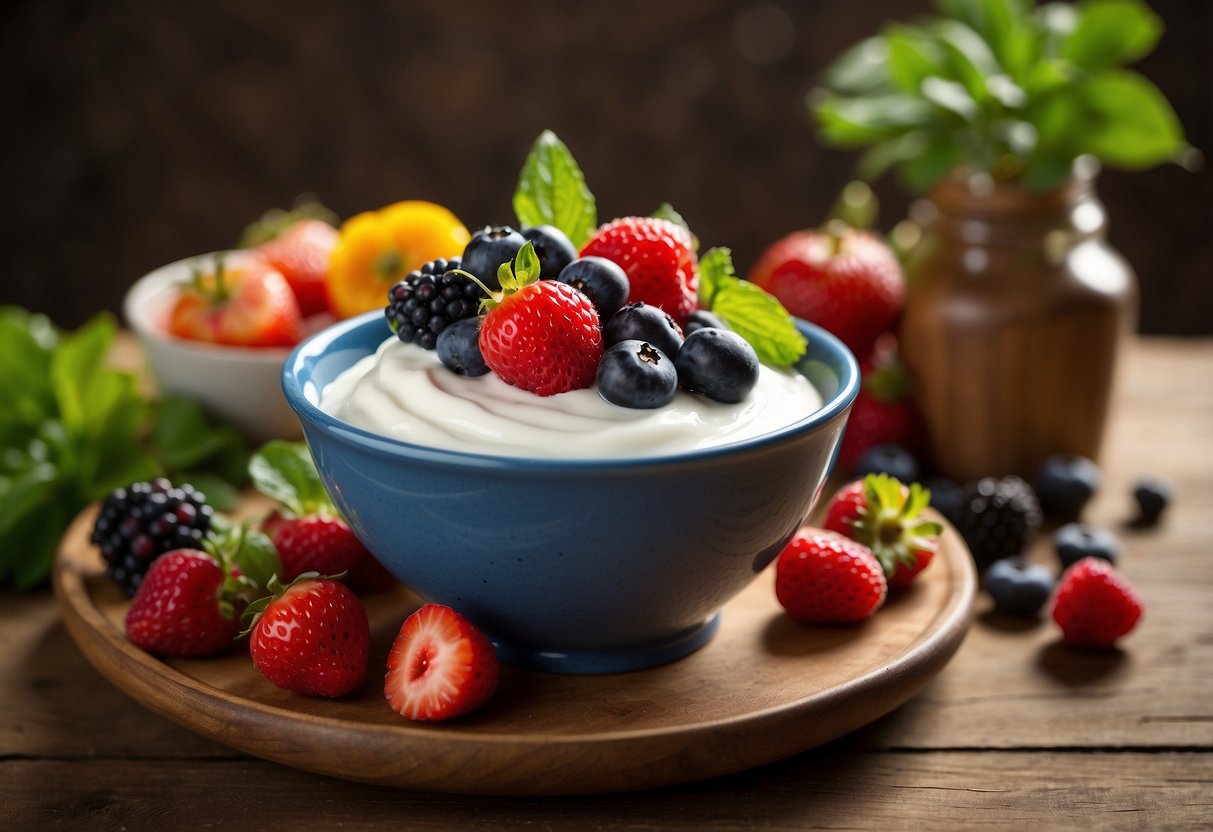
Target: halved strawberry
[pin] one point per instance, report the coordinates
(886, 516)
(252, 306)
(301, 253)
(440, 666)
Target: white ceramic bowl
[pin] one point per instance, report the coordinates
(239, 384)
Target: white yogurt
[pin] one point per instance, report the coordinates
(404, 392)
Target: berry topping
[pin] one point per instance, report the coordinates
(603, 282)
(429, 300)
(717, 363)
(459, 348)
(701, 318)
(636, 374)
(140, 522)
(658, 257)
(319, 543)
(893, 460)
(488, 249)
(440, 666)
(1064, 484)
(640, 321)
(822, 577)
(301, 254)
(553, 248)
(998, 519)
(1153, 495)
(184, 606)
(1095, 605)
(1018, 587)
(1075, 541)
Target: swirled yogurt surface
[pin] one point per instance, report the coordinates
(404, 392)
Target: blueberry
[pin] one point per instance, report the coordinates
(1076, 541)
(488, 249)
(599, 279)
(1064, 484)
(717, 363)
(553, 247)
(641, 322)
(636, 374)
(459, 348)
(893, 460)
(1153, 495)
(947, 497)
(1018, 587)
(701, 318)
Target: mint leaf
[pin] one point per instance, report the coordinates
(286, 472)
(552, 191)
(1110, 32)
(666, 212)
(748, 310)
(1133, 125)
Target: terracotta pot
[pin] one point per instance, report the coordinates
(1015, 308)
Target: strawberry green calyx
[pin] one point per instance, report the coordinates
(248, 560)
(513, 277)
(891, 524)
(275, 589)
(215, 291)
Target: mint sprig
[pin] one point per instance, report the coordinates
(552, 191)
(666, 212)
(751, 312)
(285, 471)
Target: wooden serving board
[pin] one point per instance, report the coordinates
(763, 689)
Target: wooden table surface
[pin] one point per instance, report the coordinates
(1017, 732)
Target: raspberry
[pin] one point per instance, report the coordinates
(429, 300)
(139, 523)
(658, 258)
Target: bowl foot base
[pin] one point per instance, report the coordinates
(615, 660)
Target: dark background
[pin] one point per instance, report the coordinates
(137, 133)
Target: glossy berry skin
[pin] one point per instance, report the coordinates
(701, 319)
(1064, 485)
(1075, 541)
(440, 666)
(824, 578)
(459, 348)
(884, 412)
(636, 374)
(544, 338)
(176, 610)
(252, 306)
(1153, 495)
(999, 518)
(1017, 587)
(602, 281)
(641, 321)
(1095, 605)
(316, 543)
(488, 249)
(313, 639)
(893, 460)
(553, 248)
(658, 257)
(717, 363)
(850, 282)
(301, 254)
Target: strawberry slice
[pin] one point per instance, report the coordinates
(440, 666)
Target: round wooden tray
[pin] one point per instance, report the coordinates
(763, 689)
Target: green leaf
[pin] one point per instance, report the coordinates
(257, 557)
(857, 206)
(950, 96)
(285, 471)
(968, 56)
(26, 342)
(1127, 121)
(715, 269)
(552, 191)
(526, 264)
(759, 318)
(854, 122)
(75, 367)
(36, 540)
(666, 212)
(275, 221)
(861, 69)
(912, 58)
(1045, 171)
(1110, 32)
(938, 157)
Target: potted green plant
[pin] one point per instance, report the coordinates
(1000, 112)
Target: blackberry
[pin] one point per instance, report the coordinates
(139, 523)
(998, 519)
(429, 300)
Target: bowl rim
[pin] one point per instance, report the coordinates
(159, 281)
(311, 415)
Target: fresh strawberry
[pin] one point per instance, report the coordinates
(184, 607)
(301, 253)
(884, 412)
(842, 279)
(252, 306)
(316, 543)
(822, 577)
(1094, 604)
(539, 335)
(440, 666)
(659, 259)
(886, 516)
(311, 636)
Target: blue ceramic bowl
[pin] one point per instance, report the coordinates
(576, 566)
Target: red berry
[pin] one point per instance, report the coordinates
(885, 412)
(316, 543)
(440, 666)
(886, 516)
(822, 577)
(301, 254)
(312, 638)
(179, 609)
(544, 338)
(658, 257)
(1094, 604)
(848, 282)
